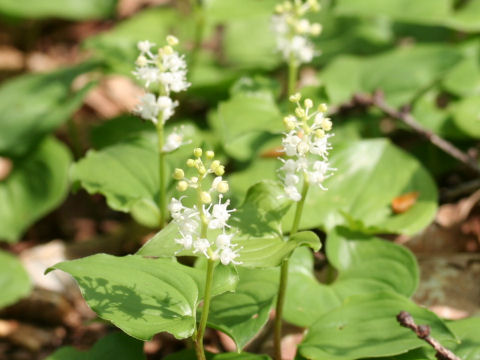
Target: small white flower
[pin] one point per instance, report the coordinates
(147, 74)
(292, 193)
(290, 142)
(291, 179)
(175, 206)
(321, 146)
(173, 141)
(220, 215)
(202, 246)
(145, 46)
(166, 106)
(289, 166)
(186, 241)
(227, 256)
(148, 108)
(223, 240)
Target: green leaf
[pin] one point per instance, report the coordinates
(245, 121)
(401, 73)
(257, 230)
(464, 79)
(14, 280)
(65, 9)
(242, 314)
(371, 173)
(134, 160)
(113, 346)
(37, 184)
(360, 261)
(466, 115)
(365, 326)
(145, 296)
(468, 330)
(33, 105)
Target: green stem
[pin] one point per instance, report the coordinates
(74, 138)
(206, 307)
(282, 288)
(199, 30)
(162, 200)
(292, 75)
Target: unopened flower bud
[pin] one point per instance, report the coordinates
(222, 187)
(214, 165)
(295, 97)
(315, 29)
(141, 61)
(205, 197)
(300, 112)
(197, 152)
(210, 154)
(289, 122)
(327, 124)
(178, 174)
(287, 5)
(279, 8)
(308, 103)
(319, 133)
(201, 169)
(182, 186)
(220, 170)
(168, 50)
(190, 163)
(303, 26)
(314, 5)
(172, 40)
(194, 179)
(322, 108)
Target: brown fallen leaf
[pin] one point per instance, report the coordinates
(273, 153)
(404, 202)
(6, 166)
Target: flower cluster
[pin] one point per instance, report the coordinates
(194, 223)
(293, 31)
(161, 73)
(306, 145)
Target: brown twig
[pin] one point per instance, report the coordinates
(423, 332)
(378, 100)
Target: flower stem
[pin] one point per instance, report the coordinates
(162, 199)
(282, 288)
(292, 75)
(206, 307)
(199, 29)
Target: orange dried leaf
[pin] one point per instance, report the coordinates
(273, 153)
(404, 202)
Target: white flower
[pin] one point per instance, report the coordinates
(202, 246)
(175, 206)
(147, 74)
(292, 193)
(186, 241)
(220, 214)
(291, 179)
(174, 141)
(289, 166)
(290, 142)
(166, 106)
(227, 256)
(321, 146)
(223, 240)
(145, 46)
(148, 108)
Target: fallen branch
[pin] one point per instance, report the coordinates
(378, 100)
(423, 332)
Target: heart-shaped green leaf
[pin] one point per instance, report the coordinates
(113, 346)
(366, 326)
(245, 121)
(360, 261)
(33, 105)
(400, 73)
(243, 313)
(370, 174)
(257, 230)
(14, 280)
(133, 160)
(145, 296)
(37, 184)
(66, 9)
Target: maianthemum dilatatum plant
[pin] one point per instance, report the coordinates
(243, 254)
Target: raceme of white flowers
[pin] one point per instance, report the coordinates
(293, 30)
(162, 73)
(193, 223)
(306, 147)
